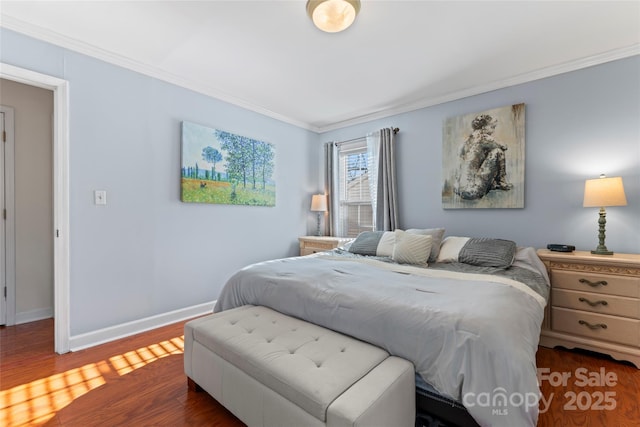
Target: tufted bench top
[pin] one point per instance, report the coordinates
(307, 364)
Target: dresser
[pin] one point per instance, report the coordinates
(594, 303)
(312, 244)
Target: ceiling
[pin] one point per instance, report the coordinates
(398, 56)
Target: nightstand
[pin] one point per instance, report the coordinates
(312, 244)
(594, 303)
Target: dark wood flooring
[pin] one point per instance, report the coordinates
(139, 381)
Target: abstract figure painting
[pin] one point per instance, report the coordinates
(483, 159)
(225, 168)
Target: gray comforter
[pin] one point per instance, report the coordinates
(472, 336)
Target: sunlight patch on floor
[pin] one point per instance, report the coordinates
(38, 401)
(132, 360)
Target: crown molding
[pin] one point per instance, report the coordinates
(60, 40)
(541, 73)
(112, 58)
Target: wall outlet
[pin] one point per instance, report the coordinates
(100, 197)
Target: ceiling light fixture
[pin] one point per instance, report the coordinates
(333, 16)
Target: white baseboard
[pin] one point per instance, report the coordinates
(101, 336)
(33, 315)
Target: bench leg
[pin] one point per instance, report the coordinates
(193, 386)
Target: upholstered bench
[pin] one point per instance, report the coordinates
(269, 369)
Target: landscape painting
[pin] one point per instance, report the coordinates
(224, 168)
(483, 159)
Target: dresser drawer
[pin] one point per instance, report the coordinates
(319, 246)
(314, 244)
(308, 248)
(610, 328)
(309, 251)
(597, 303)
(598, 283)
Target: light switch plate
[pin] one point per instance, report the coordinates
(100, 197)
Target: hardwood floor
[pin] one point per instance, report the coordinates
(136, 381)
(611, 396)
(139, 381)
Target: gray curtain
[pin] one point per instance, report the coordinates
(386, 213)
(330, 183)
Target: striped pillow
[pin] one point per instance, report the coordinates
(373, 243)
(484, 252)
(436, 238)
(412, 248)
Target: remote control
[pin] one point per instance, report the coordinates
(560, 248)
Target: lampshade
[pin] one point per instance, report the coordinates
(319, 203)
(333, 16)
(604, 191)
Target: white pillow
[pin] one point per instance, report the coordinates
(450, 248)
(385, 245)
(411, 248)
(436, 239)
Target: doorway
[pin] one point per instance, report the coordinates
(28, 203)
(60, 174)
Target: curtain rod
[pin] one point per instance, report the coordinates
(395, 130)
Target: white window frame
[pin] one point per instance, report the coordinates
(347, 149)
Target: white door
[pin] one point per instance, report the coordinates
(3, 263)
(7, 250)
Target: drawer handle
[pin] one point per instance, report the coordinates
(591, 326)
(591, 303)
(594, 284)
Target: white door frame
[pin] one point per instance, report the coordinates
(8, 250)
(61, 271)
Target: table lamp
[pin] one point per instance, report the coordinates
(602, 192)
(319, 205)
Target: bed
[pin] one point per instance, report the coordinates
(466, 312)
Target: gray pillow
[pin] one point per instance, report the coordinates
(487, 252)
(366, 243)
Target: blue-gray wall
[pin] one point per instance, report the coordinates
(147, 253)
(578, 125)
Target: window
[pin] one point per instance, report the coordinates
(355, 214)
